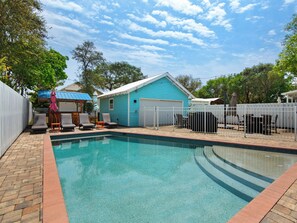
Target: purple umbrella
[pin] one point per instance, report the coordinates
(53, 105)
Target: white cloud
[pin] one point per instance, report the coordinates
(254, 18)
(151, 58)
(152, 48)
(272, 32)
(183, 6)
(122, 45)
(99, 7)
(115, 4)
(186, 24)
(66, 36)
(287, 2)
(169, 34)
(143, 40)
(149, 19)
(217, 14)
(106, 22)
(61, 4)
(56, 18)
(235, 6)
(107, 17)
(206, 3)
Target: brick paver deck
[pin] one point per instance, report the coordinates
(21, 180)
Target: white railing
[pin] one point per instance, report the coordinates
(14, 116)
(248, 120)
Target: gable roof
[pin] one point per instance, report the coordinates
(76, 87)
(64, 96)
(141, 83)
(292, 94)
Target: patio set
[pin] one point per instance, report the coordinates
(208, 122)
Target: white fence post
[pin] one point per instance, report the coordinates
(173, 116)
(144, 110)
(295, 120)
(205, 118)
(157, 118)
(244, 120)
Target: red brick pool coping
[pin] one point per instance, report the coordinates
(54, 209)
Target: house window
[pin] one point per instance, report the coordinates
(111, 104)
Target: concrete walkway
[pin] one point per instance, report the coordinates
(21, 180)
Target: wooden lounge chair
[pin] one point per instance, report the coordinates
(84, 121)
(39, 124)
(107, 121)
(66, 122)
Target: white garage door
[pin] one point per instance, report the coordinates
(148, 113)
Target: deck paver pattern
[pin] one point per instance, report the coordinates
(21, 180)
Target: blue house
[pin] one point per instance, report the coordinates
(130, 104)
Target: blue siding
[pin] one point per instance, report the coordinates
(119, 113)
(160, 89)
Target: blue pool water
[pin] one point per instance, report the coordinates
(130, 179)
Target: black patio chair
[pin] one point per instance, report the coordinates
(273, 124)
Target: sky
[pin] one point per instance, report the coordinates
(205, 39)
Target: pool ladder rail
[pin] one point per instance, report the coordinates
(241, 182)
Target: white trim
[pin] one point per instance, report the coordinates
(128, 88)
(128, 109)
(111, 109)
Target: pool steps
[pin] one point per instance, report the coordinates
(236, 181)
(251, 181)
(257, 175)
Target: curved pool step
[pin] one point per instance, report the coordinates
(251, 173)
(251, 181)
(222, 179)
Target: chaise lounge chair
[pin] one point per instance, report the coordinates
(84, 121)
(66, 122)
(39, 124)
(107, 122)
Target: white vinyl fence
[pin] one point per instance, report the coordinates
(14, 116)
(247, 120)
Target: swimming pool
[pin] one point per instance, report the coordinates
(122, 178)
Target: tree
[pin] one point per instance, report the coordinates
(287, 62)
(89, 58)
(22, 39)
(258, 84)
(51, 72)
(118, 74)
(189, 82)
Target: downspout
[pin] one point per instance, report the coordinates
(129, 109)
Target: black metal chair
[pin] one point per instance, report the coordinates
(266, 124)
(274, 124)
(240, 123)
